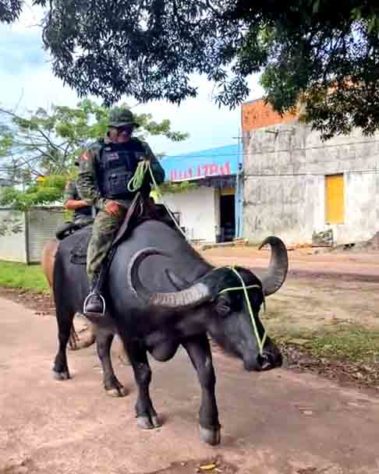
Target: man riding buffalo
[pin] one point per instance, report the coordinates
(161, 294)
(105, 170)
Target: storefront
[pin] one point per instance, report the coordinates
(210, 211)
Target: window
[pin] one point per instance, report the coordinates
(334, 199)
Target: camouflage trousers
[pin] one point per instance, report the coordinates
(105, 228)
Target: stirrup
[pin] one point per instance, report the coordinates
(90, 313)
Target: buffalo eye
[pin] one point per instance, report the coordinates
(223, 308)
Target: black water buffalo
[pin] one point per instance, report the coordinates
(162, 294)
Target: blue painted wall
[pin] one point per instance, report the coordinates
(220, 161)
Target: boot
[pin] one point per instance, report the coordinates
(94, 304)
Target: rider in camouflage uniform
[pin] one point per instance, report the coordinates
(104, 172)
(73, 202)
(82, 212)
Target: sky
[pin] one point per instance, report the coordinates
(27, 82)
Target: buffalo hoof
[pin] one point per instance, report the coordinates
(147, 423)
(209, 436)
(116, 392)
(65, 375)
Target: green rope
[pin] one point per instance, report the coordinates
(136, 181)
(245, 287)
(159, 194)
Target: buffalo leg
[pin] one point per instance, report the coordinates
(74, 338)
(199, 351)
(146, 415)
(64, 320)
(112, 385)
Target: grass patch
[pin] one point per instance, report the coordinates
(353, 343)
(341, 342)
(22, 276)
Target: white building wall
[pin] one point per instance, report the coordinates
(198, 210)
(12, 244)
(284, 183)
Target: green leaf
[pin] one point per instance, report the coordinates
(47, 142)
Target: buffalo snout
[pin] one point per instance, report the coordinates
(271, 358)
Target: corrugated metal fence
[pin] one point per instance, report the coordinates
(23, 234)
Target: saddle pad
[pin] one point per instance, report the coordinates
(79, 251)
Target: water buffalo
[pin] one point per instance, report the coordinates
(47, 263)
(161, 294)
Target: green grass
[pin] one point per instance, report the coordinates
(26, 277)
(341, 342)
(350, 342)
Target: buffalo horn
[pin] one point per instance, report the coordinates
(187, 298)
(277, 270)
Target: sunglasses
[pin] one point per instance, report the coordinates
(125, 129)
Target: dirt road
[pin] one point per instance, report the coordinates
(304, 262)
(279, 422)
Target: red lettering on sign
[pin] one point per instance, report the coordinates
(213, 169)
(205, 169)
(208, 169)
(225, 169)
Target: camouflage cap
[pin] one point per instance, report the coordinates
(121, 116)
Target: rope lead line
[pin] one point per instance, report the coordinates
(158, 191)
(135, 184)
(260, 342)
(137, 180)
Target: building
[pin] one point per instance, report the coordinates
(301, 188)
(208, 212)
(211, 212)
(23, 234)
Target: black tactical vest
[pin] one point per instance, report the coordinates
(83, 211)
(116, 166)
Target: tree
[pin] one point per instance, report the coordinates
(10, 10)
(37, 152)
(325, 55)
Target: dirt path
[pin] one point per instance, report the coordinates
(314, 303)
(362, 266)
(278, 423)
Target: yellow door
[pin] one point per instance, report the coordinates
(334, 199)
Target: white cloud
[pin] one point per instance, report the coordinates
(30, 18)
(33, 87)
(208, 125)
